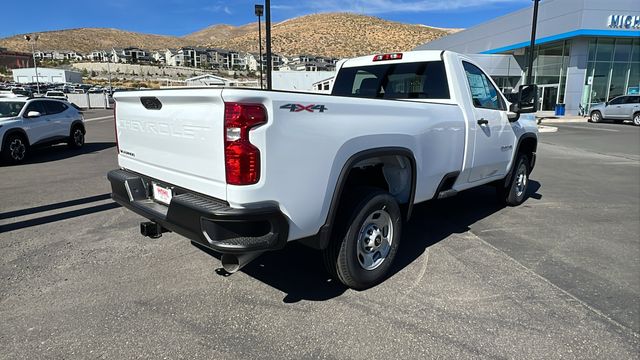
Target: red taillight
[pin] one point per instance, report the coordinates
(383, 57)
(242, 159)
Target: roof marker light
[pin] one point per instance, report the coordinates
(384, 57)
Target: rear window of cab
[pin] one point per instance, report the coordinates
(419, 80)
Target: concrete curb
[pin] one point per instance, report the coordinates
(563, 119)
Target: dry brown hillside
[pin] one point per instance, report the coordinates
(223, 32)
(337, 35)
(89, 39)
(334, 34)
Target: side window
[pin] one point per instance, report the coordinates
(55, 107)
(633, 99)
(483, 93)
(35, 106)
(618, 100)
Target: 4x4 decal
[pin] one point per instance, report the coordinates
(300, 107)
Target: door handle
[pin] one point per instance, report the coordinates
(483, 121)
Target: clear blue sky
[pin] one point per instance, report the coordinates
(181, 17)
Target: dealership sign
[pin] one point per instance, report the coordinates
(624, 21)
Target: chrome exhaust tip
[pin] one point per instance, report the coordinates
(232, 263)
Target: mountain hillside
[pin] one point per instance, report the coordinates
(89, 39)
(222, 32)
(337, 35)
(330, 34)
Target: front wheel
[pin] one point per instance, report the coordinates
(636, 119)
(363, 250)
(14, 150)
(596, 117)
(515, 192)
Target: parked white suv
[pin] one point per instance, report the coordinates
(28, 123)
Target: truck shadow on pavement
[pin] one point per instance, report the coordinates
(51, 218)
(298, 270)
(61, 152)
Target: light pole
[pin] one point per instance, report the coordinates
(533, 41)
(33, 52)
(259, 12)
(268, 35)
(109, 73)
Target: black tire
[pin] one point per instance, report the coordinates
(515, 192)
(76, 137)
(15, 149)
(355, 259)
(596, 117)
(636, 119)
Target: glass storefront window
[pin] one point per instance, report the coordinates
(547, 66)
(613, 68)
(600, 82)
(604, 50)
(618, 80)
(634, 79)
(622, 50)
(635, 54)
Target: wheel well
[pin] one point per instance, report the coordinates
(391, 173)
(392, 169)
(15, 132)
(528, 146)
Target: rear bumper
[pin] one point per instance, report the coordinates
(207, 221)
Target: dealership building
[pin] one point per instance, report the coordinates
(587, 51)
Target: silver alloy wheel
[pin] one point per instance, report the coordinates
(78, 137)
(521, 180)
(636, 119)
(17, 149)
(374, 239)
(595, 116)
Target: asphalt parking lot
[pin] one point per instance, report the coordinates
(555, 278)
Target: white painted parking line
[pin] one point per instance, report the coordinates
(99, 118)
(587, 128)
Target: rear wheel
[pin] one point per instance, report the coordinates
(76, 139)
(636, 119)
(596, 117)
(15, 148)
(515, 192)
(362, 251)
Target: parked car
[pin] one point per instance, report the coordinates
(29, 123)
(56, 95)
(243, 171)
(619, 109)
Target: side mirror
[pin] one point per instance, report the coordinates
(33, 114)
(526, 101)
(606, 103)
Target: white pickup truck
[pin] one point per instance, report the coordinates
(244, 171)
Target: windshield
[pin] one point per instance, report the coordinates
(52, 93)
(10, 108)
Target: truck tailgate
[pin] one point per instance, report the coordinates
(175, 136)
